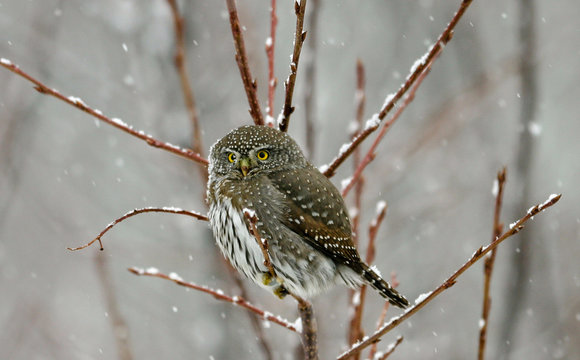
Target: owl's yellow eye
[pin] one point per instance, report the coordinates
(232, 157)
(262, 155)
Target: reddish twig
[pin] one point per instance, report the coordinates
(370, 155)
(299, 36)
(188, 97)
(270, 46)
(305, 310)
(416, 70)
(254, 318)
(218, 294)
(356, 332)
(252, 219)
(309, 330)
(374, 228)
(118, 123)
(134, 212)
(242, 60)
(489, 262)
(383, 316)
(424, 299)
(119, 325)
(390, 349)
(310, 79)
(357, 297)
(360, 104)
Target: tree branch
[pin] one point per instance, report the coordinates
(309, 330)
(370, 155)
(418, 67)
(357, 297)
(382, 316)
(423, 299)
(218, 294)
(299, 36)
(134, 212)
(119, 325)
(270, 47)
(309, 72)
(252, 219)
(305, 310)
(242, 60)
(390, 349)
(118, 123)
(187, 90)
(489, 262)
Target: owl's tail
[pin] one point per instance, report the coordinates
(384, 288)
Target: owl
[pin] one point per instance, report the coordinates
(300, 214)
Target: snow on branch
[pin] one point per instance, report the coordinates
(427, 297)
(171, 210)
(218, 294)
(416, 70)
(118, 123)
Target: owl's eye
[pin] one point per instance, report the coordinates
(262, 155)
(232, 157)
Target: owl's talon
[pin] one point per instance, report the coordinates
(281, 292)
(267, 278)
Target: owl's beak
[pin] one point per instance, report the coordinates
(245, 166)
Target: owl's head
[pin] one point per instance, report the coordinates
(250, 150)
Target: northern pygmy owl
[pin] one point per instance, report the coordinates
(300, 214)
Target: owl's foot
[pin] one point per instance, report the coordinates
(281, 292)
(267, 279)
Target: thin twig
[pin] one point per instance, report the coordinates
(270, 47)
(254, 318)
(489, 262)
(529, 89)
(309, 330)
(383, 315)
(357, 297)
(218, 294)
(134, 212)
(118, 123)
(242, 60)
(186, 88)
(370, 155)
(355, 330)
(120, 329)
(263, 243)
(422, 300)
(391, 348)
(310, 79)
(305, 310)
(416, 70)
(360, 104)
(299, 36)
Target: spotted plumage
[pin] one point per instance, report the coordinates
(300, 215)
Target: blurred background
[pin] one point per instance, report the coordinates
(504, 92)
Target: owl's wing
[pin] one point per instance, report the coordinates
(316, 211)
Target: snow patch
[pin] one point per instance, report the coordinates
(152, 271)
(345, 182)
(77, 100)
(175, 277)
(534, 128)
(373, 122)
(249, 212)
(495, 188)
(422, 297)
(481, 323)
(381, 206)
(298, 325)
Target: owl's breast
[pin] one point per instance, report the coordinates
(235, 240)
